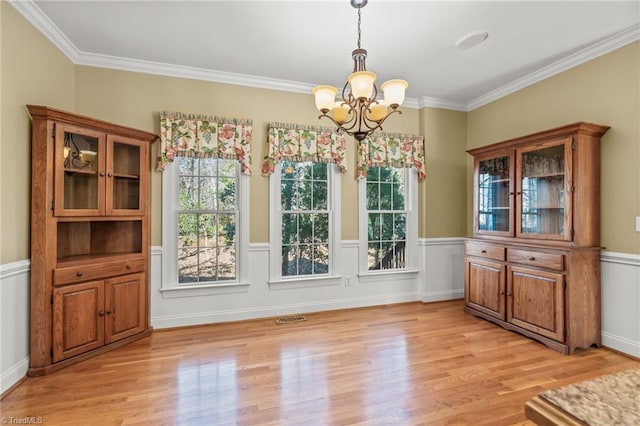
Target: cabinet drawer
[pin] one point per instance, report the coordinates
(536, 258)
(76, 274)
(480, 249)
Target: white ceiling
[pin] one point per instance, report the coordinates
(294, 45)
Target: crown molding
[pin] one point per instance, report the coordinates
(33, 14)
(600, 48)
(427, 101)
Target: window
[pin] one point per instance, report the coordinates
(203, 239)
(388, 231)
(302, 229)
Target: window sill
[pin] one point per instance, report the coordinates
(203, 290)
(292, 283)
(386, 276)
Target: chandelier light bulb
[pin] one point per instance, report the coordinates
(340, 112)
(362, 84)
(394, 91)
(378, 111)
(325, 97)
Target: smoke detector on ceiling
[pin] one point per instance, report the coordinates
(470, 40)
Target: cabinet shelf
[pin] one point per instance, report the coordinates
(545, 175)
(125, 176)
(91, 259)
(80, 171)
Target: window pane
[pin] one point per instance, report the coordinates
(289, 228)
(288, 195)
(207, 193)
(305, 260)
(227, 263)
(187, 166)
(187, 230)
(373, 174)
(321, 259)
(208, 264)
(226, 193)
(304, 189)
(375, 220)
(373, 202)
(373, 255)
(188, 193)
(206, 230)
(400, 227)
(319, 196)
(227, 168)
(386, 190)
(305, 230)
(398, 196)
(289, 261)
(319, 171)
(321, 228)
(208, 166)
(386, 228)
(188, 265)
(226, 229)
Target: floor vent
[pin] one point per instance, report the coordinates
(287, 320)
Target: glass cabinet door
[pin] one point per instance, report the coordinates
(79, 171)
(494, 195)
(543, 191)
(125, 176)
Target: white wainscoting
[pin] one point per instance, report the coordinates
(441, 278)
(14, 323)
(442, 269)
(621, 302)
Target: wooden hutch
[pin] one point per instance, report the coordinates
(533, 264)
(89, 237)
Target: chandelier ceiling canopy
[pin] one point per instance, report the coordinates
(359, 112)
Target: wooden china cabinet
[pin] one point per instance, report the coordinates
(533, 264)
(89, 237)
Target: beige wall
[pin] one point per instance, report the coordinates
(33, 72)
(606, 91)
(136, 99)
(442, 194)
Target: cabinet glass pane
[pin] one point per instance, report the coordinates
(543, 191)
(493, 195)
(126, 176)
(80, 171)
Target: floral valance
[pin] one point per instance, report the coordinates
(296, 142)
(391, 150)
(204, 136)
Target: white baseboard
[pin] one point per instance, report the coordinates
(14, 374)
(440, 296)
(272, 311)
(621, 344)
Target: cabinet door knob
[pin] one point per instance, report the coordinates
(509, 294)
(79, 274)
(108, 312)
(483, 251)
(109, 174)
(532, 258)
(101, 173)
(501, 292)
(101, 313)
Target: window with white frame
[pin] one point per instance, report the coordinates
(303, 220)
(204, 206)
(388, 233)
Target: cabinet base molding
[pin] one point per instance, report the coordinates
(550, 343)
(42, 371)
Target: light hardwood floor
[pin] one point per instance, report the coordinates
(406, 364)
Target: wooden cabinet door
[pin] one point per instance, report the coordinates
(125, 306)
(78, 319)
(535, 301)
(485, 287)
(493, 189)
(127, 175)
(79, 161)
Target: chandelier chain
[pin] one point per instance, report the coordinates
(359, 28)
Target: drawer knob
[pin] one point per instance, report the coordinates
(108, 312)
(128, 266)
(501, 292)
(79, 274)
(101, 313)
(532, 258)
(483, 251)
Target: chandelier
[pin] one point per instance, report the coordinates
(359, 112)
